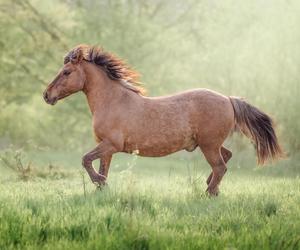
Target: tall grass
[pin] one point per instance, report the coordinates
(156, 212)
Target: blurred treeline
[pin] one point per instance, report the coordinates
(247, 48)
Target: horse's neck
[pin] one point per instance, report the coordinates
(100, 90)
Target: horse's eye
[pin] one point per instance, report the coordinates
(66, 73)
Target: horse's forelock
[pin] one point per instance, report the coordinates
(73, 54)
(66, 59)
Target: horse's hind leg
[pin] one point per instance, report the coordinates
(226, 154)
(214, 157)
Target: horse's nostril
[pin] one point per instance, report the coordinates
(46, 96)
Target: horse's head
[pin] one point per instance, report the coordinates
(69, 80)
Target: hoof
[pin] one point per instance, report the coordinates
(99, 180)
(100, 184)
(212, 192)
(100, 187)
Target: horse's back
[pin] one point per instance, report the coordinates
(200, 96)
(199, 104)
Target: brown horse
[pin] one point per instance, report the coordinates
(124, 120)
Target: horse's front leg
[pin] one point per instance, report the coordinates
(104, 165)
(104, 151)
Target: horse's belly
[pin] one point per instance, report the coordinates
(157, 151)
(160, 146)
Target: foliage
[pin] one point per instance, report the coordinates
(249, 49)
(17, 162)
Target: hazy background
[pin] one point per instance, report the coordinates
(247, 48)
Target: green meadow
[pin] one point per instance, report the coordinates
(150, 204)
(245, 48)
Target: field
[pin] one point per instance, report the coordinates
(149, 204)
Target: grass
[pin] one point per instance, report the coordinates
(159, 206)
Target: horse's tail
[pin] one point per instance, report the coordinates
(258, 126)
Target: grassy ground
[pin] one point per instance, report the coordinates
(149, 204)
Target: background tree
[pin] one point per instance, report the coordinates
(246, 49)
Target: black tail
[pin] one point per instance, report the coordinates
(258, 126)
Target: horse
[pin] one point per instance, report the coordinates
(126, 120)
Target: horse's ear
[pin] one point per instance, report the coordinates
(76, 56)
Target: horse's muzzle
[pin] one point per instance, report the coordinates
(49, 100)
